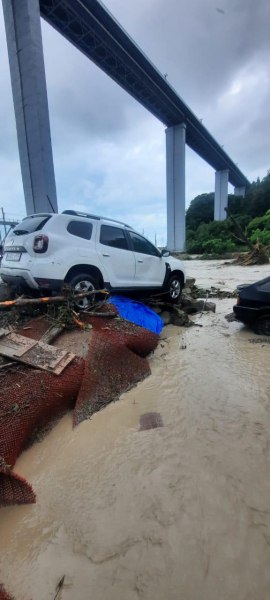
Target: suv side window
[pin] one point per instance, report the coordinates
(113, 236)
(140, 244)
(80, 229)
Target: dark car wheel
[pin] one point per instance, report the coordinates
(262, 325)
(175, 288)
(83, 282)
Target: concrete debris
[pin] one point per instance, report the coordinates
(166, 317)
(192, 307)
(191, 290)
(193, 300)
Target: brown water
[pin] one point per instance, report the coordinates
(176, 512)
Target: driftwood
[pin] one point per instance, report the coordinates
(49, 299)
(258, 256)
(59, 587)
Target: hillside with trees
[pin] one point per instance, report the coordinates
(252, 213)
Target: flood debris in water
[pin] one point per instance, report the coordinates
(59, 587)
(151, 420)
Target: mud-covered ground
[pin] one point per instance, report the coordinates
(179, 512)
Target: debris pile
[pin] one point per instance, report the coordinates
(39, 382)
(193, 300)
(191, 290)
(31, 399)
(258, 255)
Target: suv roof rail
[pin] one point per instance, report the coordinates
(88, 216)
(37, 215)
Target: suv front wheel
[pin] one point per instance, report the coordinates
(83, 282)
(175, 285)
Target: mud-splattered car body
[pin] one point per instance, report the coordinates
(253, 305)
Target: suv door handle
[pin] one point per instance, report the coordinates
(140, 261)
(106, 255)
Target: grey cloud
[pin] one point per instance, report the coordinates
(199, 48)
(96, 125)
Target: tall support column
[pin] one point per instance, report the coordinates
(221, 195)
(24, 41)
(175, 172)
(240, 191)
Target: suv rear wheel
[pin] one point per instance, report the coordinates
(175, 287)
(262, 325)
(83, 282)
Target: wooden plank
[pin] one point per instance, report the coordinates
(47, 358)
(64, 363)
(15, 345)
(34, 353)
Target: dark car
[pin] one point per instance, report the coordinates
(253, 306)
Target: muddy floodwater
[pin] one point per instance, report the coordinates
(177, 512)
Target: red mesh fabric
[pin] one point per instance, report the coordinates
(15, 490)
(29, 400)
(113, 365)
(4, 595)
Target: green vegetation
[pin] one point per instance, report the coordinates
(252, 213)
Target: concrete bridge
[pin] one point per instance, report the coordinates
(91, 28)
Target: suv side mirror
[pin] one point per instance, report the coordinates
(165, 252)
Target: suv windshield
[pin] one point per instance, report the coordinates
(31, 224)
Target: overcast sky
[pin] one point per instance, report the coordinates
(109, 152)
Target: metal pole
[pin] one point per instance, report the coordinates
(4, 221)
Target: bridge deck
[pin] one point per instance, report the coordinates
(92, 29)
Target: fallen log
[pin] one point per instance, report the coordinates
(49, 299)
(258, 256)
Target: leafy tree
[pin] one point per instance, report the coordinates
(259, 229)
(200, 210)
(252, 213)
(218, 246)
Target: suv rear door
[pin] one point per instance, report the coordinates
(115, 255)
(19, 242)
(150, 266)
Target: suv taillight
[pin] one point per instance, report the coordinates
(40, 243)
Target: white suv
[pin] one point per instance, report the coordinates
(87, 252)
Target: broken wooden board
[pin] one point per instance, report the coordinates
(34, 353)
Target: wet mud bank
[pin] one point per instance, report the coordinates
(179, 509)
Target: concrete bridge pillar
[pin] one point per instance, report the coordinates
(221, 195)
(175, 173)
(240, 191)
(24, 42)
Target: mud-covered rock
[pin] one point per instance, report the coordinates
(190, 282)
(180, 318)
(166, 317)
(196, 306)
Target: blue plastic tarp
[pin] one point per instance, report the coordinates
(138, 313)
